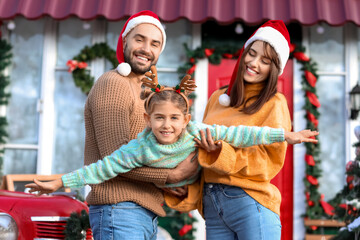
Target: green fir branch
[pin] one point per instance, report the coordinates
(77, 225)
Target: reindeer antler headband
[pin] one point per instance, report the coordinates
(186, 84)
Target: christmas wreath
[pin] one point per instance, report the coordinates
(78, 64)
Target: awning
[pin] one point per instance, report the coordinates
(306, 12)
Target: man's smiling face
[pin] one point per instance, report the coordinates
(142, 47)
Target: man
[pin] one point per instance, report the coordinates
(127, 206)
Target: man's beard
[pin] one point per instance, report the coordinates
(135, 68)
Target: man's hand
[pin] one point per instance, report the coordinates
(184, 170)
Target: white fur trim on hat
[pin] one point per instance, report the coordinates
(276, 40)
(145, 19)
(124, 69)
(224, 100)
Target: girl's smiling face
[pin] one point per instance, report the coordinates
(167, 122)
(257, 64)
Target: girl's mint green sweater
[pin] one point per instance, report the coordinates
(146, 151)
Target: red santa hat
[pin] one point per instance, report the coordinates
(141, 17)
(276, 34)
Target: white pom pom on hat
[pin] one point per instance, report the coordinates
(124, 69)
(224, 99)
(141, 17)
(276, 34)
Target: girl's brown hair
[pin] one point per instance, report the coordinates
(237, 94)
(164, 96)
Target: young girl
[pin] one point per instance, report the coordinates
(167, 140)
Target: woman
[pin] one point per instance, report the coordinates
(239, 202)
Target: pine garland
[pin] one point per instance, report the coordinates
(214, 55)
(316, 207)
(5, 61)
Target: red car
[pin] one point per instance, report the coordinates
(26, 216)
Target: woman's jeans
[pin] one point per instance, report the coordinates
(230, 213)
(124, 220)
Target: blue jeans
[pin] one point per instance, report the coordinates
(124, 220)
(230, 213)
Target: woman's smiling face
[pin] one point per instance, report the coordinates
(257, 64)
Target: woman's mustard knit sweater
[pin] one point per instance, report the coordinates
(250, 168)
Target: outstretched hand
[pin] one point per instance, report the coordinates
(301, 136)
(44, 187)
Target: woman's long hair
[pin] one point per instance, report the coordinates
(237, 94)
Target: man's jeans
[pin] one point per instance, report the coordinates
(230, 213)
(125, 220)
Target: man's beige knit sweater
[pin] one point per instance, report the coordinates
(114, 116)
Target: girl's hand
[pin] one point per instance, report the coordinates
(177, 191)
(302, 136)
(207, 143)
(44, 187)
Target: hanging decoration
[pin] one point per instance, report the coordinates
(5, 61)
(78, 64)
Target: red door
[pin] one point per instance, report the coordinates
(219, 75)
(284, 181)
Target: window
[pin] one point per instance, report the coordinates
(22, 112)
(327, 48)
(68, 99)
